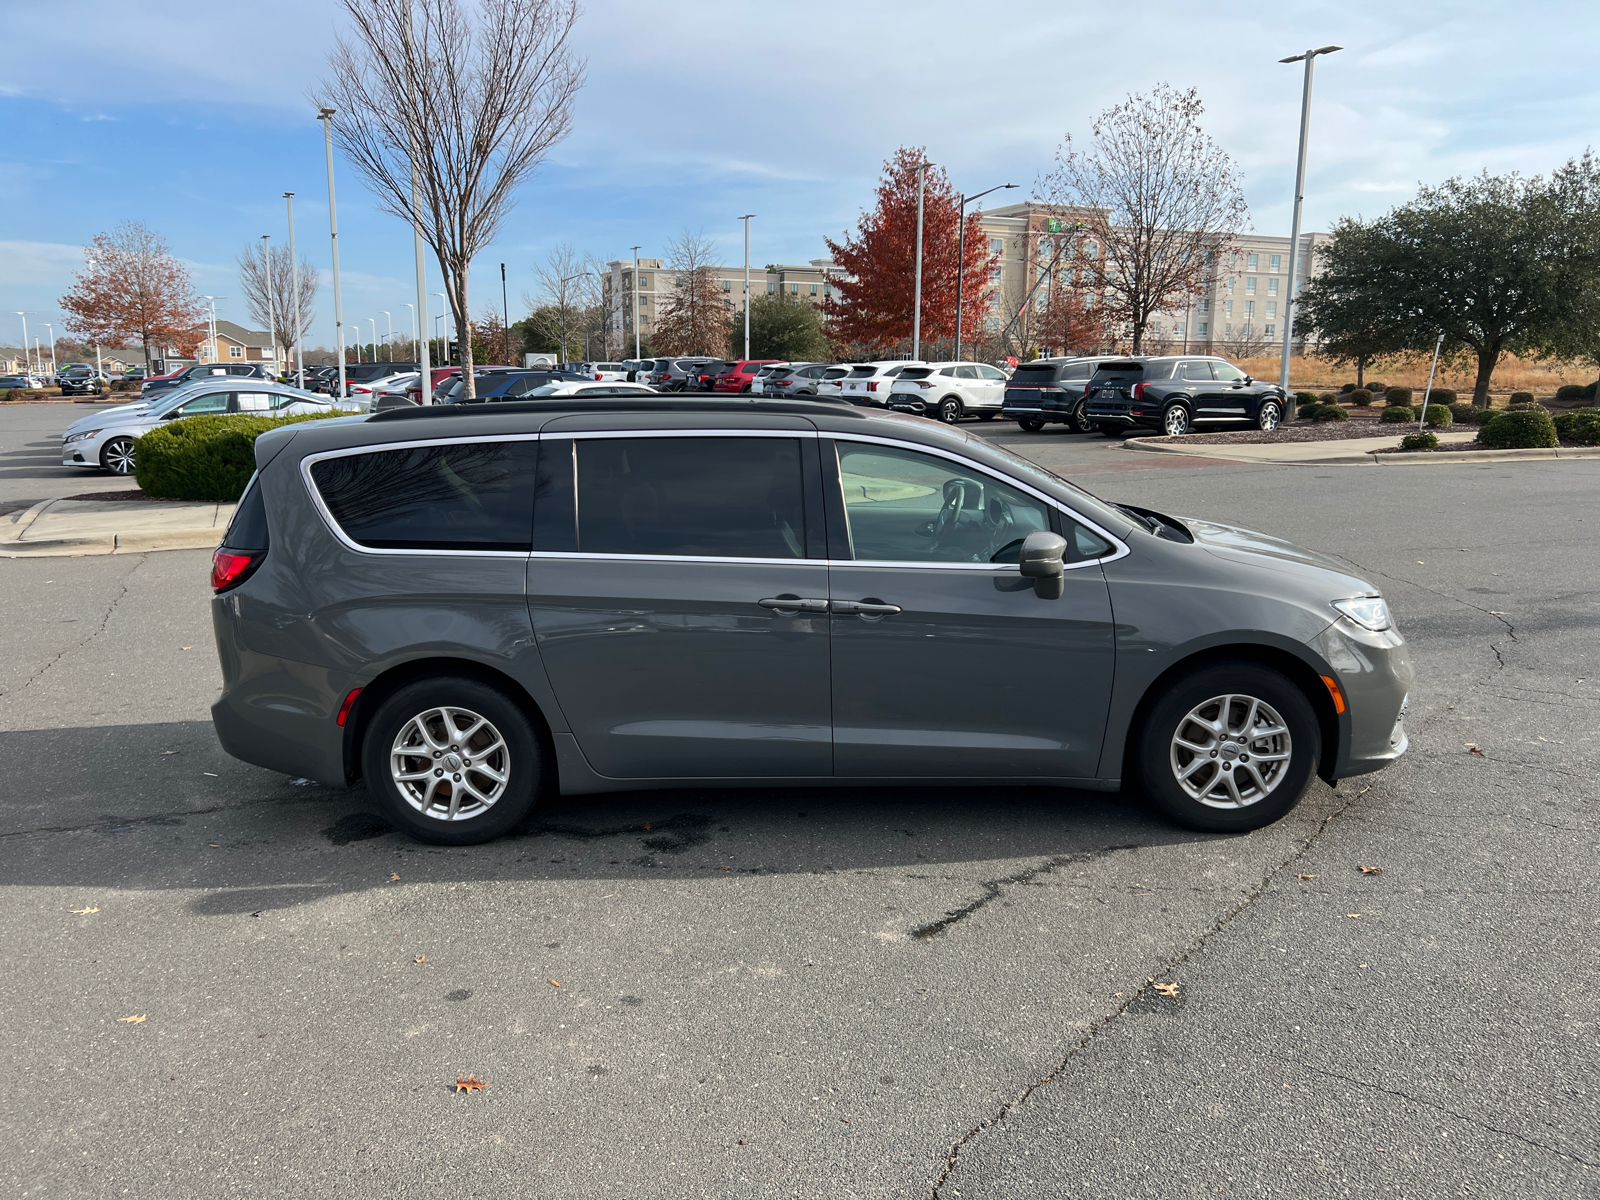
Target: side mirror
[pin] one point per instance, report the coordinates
(1248, 379)
(1043, 560)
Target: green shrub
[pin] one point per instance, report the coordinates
(1306, 411)
(1581, 425)
(1398, 414)
(1361, 398)
(1570, 391)
(1305, 398)
(1521, 399)
(1347, 388)
(1398, 396)
(1444, 396)
(1464, 413)
(203, 458)
(1377, 389)
(1328, 412)
(1419, 441)
(1438, 417)
(1518, 430)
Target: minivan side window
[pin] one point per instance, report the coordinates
(461, 496)
(704, 497)
(1077, 370)
(903, 506)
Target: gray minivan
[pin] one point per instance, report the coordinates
(474, 609)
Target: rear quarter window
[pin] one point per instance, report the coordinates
(461, 496)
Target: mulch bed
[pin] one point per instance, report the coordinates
(130, 494)
(1565, 445)
(1300, 431)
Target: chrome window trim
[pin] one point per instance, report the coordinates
(591, 556)
(1120, 548)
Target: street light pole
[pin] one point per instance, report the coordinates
(326, 117)
(961, 253)
(416, 343)
(444, 338)
(916, 312)
(1310, 59)
(746, 219)
(424, 366)
(27, 366)
(636, 304)
(373, 321)
(294, 283)
(50, 340)
(99, 371)
(272, 322)
(505, 315)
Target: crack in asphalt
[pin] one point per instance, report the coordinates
(992, 888)
(1166, 969)
(98, 630)
(1436, 1106)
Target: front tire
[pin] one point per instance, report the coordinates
(1175, 421)
(452, 761)
(117, 456)
(949, 410)
(1030, 424)
(1228, 748)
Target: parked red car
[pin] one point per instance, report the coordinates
(739, 374)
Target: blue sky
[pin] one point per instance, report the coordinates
(196, 121)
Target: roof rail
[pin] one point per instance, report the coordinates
(643, 404)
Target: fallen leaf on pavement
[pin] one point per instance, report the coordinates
(1352, 916)
(1473, 749)
(1163, 989)
(647, 826)
(470, 1083)
(393, 876)
(552, 983)
(420, 958)
(186, 647)
(164, 753)
(1497, 612)
(1366, 870)
(215, 845)
(134, 1020)
(1305, 876)
(84, 912)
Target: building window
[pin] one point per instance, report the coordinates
(771, 287)
(1250, 286)
(1233, 259)
(1090, 249)
(1269, 330)
(1272, 308)
(235, 351)
(994, 276)
(813, 289)
(794, 289)
(996, 246)
(1205, 305)
(1227, 329)
(1272, 287)
(992, 324)
(1249, 308)
(1227, 308)
(1251, 261)
(827, 290)
(1275, 262)
(1155, 329)
(1200, 329)
(643, 300)
(1181, 329)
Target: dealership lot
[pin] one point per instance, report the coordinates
(872, 992)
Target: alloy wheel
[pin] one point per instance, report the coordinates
(117, 457)
(1269, 416)
(1176, 421)
(950, 410)
(449, 764)
(1080, 418)
(1230, 751)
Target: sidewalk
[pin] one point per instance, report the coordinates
(70, 527)
(1354, 451)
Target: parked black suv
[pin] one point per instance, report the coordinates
(1051, 391)
(1175, 394)
(80, 379)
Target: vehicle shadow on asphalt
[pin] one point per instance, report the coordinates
(161, 806)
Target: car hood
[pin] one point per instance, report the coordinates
(1236, 544)
(96, 420)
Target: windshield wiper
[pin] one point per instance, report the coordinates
(1144, 518)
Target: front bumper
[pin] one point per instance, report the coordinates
(1375, 674)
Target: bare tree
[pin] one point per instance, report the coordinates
(1161, 195)
(477, 102)
(568, 296)
(262, 280)
(693, 319)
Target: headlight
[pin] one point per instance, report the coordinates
(1369, 612)
(78, 437)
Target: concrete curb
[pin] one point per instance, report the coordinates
(1354, 457)
(61, 528)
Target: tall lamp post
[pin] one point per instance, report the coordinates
(746, 219)
(564, 283)
(28, 366)
(505, 315)
(373, 321)
(211, 324)
(416, 344)
(50, 340)
(388, 336)
(294, 283)
(326, 117)
(1310, 59)
(272, 323)
(916, 311)
(961, 252)
(444, 338)
(99, 371)
(635, 305)
(424, 366)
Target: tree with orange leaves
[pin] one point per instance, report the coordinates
(133, 289)
(875, 293)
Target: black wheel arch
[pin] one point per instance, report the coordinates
(1300, 666)
(391, 680)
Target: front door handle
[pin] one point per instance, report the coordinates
(794, 604)
(865, 608)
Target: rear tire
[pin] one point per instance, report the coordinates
(1079, 422)
(1175, 421)
(1181, 756)
(1030, 424)
(432, 720)
(949, 410)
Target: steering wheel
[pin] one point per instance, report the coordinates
(1002, 525)
(955, 492)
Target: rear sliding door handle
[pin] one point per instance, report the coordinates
(865, 608)
(794, 604)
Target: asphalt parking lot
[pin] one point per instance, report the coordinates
(874, 993)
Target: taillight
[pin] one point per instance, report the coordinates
(1138, 391)
(873, 386)
(924, 384)
(597, 376)
(228, 567)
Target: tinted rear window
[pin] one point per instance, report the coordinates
(712, 497)
(863, 372)
(1036, 373)
(248, 529)
(466, 496)
(916, 372)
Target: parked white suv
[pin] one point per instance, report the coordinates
(868, 384)
(950, 391)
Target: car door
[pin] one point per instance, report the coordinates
(994, 382)
(678, 590)
(945, 661)
(1234, 395)
(1204, 392)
